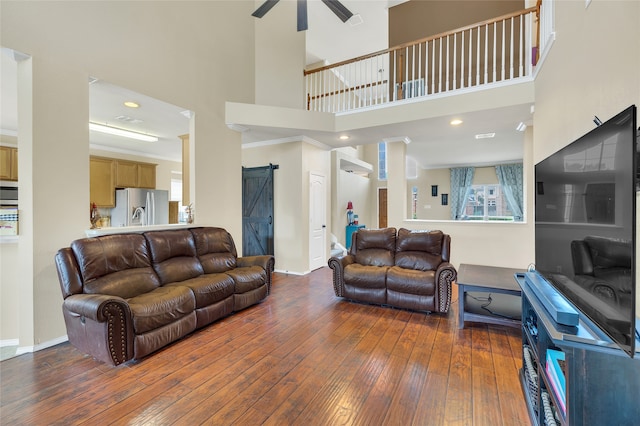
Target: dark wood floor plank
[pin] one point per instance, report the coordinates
(485, 398)
(459, 407)
(302, 356)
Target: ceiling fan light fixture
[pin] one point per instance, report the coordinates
(336, 7)
(122, 132)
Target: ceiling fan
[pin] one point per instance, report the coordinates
(336, 7)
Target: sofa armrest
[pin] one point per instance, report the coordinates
(101, 326)
(338, 263)
(266, 262)
(446, 274)
(581, 258)
(93, 306)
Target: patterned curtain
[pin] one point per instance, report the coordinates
(510, 178)
(461, 179)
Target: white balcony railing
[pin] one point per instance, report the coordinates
(492, 51)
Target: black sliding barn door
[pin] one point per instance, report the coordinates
(257, 210)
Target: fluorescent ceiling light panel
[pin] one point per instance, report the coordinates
(122, 132)
(521, 127)
(485, 135)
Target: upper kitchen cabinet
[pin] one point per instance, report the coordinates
(8, 163)
(107, 174)
(133, 174)
(102, 181)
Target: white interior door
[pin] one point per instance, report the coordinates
(317, 222)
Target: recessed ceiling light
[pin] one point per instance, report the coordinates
(485, 135)
(131, 104)
(456, 122)
(344, 137)
(521, 127)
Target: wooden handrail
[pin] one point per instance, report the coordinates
(426, 39)
(336, 92)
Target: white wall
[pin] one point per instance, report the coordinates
(592, 70)
(194, 54)
(349, 187)
(280, 58)
(495, 244)
(291, 198)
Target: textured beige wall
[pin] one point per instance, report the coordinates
(194, 54)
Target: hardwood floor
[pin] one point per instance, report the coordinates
(302, 356)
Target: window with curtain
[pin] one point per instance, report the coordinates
(488, 201)
(511, 182)
(461, 180)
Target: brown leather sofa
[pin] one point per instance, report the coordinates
(602, 266)
(128, 295)
(407, 269)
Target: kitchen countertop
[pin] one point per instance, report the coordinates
(135, 229)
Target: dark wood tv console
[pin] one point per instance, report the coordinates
(601, 382)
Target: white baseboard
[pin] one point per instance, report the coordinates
(9, 342)
(27, 349)
(290, 272)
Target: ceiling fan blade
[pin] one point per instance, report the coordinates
(303, 25)
(266, 6)
(338, 8)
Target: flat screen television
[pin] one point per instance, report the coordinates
(585, 220)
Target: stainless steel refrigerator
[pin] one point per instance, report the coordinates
(140, 207)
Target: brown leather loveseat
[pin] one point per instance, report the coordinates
(407, 269)
(128, 295)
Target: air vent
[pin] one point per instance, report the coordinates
(128, 119)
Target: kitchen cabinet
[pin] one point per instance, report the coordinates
(133, 174)
(102, 181)
(174, 208)
(107, 174)
(8, 163)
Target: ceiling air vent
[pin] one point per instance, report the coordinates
(128, 119)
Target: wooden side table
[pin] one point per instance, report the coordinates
(488, 294)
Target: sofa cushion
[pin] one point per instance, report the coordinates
(411, 289)
(173, 254)
(366, 283)
(411, 281)
(215, 249)
(209, 288)
(160, 307)
(248, 278)
(375, 247)
(116, 265)
(365, 276)
(419, 250)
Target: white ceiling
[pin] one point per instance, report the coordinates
(434, 143)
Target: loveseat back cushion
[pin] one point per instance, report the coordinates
(116, 265)
(173, 255)
(215, 249)
(375, 247)
(419, 250)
